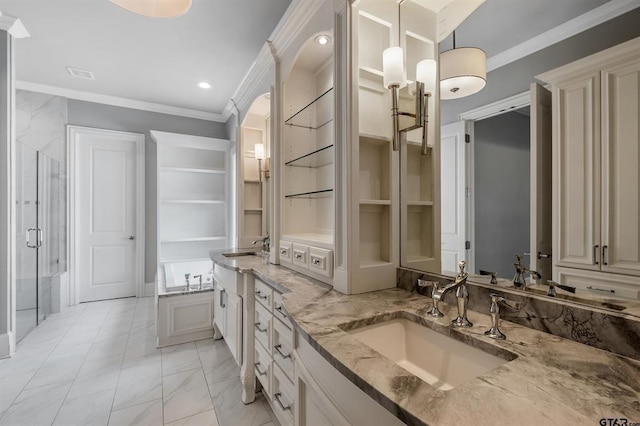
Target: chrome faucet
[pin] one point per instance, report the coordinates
(462, 296)
(518, 279)
(494, 332)
(187, 277)
(200, 281)
(435, 310)
(265, 242)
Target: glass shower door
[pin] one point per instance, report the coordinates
(26, 240)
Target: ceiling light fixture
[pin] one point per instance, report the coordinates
(394, 78)
(463, 71)
(155, 8)
(204, 85)
(323, 39)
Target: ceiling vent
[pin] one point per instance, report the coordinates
(78, 73)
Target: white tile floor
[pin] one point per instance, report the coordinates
(97, 364)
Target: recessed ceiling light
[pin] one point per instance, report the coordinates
(204, 85)
(323, 39)
(78, 73)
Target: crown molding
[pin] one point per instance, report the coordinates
(243, 96)
(122, 102)
(570, 28)
(13, 26)
(496, 108)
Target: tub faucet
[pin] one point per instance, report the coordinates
(199, 281)
(518, 279)
(462, 296)
(187, 277)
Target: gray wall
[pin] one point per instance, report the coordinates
(516, 77)
(501, 162)
(91, 114)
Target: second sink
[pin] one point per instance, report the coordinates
(439, 360)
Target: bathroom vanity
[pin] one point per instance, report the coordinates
(335, 373)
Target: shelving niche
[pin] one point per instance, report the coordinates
(192, 196)
(253, 202)
(308, 149)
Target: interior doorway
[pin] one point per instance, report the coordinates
(106, 170)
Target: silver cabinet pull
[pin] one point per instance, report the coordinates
(259, 295)
(222, 304)
(282, 406)
(605, 255)
(595, 254)
(257, 326)
(278, 349)
(315, 261)
(280, 310)
(261, 373)
(283, 252)
(604, 290)
(542, 255)
(297, 256)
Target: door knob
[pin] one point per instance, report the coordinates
(131, 237)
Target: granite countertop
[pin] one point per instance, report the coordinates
(551, 381)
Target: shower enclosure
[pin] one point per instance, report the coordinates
(39, 235)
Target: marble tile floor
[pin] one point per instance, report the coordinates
(97, 364)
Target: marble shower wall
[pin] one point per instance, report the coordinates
(41, 122)
(614, 333)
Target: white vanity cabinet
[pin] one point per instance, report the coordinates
(273, 351)
(596, 182)
(228, 309)
(324, 396)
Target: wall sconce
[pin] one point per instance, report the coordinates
(155, 8)
(463, 71)
(394, 78)
(259, 155)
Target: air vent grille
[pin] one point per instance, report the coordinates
(78, 73)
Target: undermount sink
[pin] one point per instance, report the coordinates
(242, 253)
(439, 360)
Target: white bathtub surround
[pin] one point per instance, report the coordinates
(97, 364)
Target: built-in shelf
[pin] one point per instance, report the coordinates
(370, 263)
(312, 194)
(306, 116)
(191, 240)
(320, 240)
(376, 202)
(252, 181)
(318, 158)
(420, 203)
(253, 210)
(192, 170)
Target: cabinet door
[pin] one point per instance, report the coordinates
(233, 332)
(620, 175)
(576, 172)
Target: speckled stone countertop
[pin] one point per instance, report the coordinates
(548, 381)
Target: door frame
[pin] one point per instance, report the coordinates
(470, 117)
(73, 206)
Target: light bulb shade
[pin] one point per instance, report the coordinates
(393, 67)
(259, 151)
(463, 72)
(155, 8)
(426, 73)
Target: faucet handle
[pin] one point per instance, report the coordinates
(427, 283)
(462, 264)
(495, 298)
(494, 276)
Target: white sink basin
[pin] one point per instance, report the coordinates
(441, 361)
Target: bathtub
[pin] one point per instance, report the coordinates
(184, 313)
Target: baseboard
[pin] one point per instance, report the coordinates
(149, 289)
(7, 345)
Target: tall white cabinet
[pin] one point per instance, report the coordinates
(193, 182)
(596, 131)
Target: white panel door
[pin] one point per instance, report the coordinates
(453, 197)
(541, 184)
(620, 175)
(106, 214)
(576, 175)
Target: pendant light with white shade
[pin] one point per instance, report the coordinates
(155, 8)
(463, 71)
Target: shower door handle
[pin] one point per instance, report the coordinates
(28, 238)
(39, 244)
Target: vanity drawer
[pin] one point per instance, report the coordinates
(263, 367)
(283, 396)
(600, 283)
(321, 261)
(264, 294)
(279, 311)
(300, 255)
(262, 326)
(285, 252)
(282, 340)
